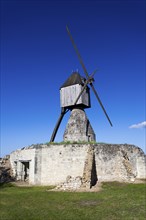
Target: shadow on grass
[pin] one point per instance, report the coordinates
(7, 184)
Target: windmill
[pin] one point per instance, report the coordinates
(75, 96)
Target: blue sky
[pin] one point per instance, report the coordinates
(37, 57)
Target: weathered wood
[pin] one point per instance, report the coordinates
(69, 94)
(63, 112)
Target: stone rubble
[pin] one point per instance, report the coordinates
(71, 183)
(6, 173)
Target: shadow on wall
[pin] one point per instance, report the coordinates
(94, 178)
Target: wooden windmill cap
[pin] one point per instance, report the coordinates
(75, 78)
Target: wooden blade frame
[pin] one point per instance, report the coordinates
(87, 75)
(88, 81)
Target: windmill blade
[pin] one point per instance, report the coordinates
(88, 81)
(77, 52)
(97, 96)
(81, 92)
(86, 73)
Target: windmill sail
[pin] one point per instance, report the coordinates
(87, 75)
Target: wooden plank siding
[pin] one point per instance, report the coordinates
(69, 94)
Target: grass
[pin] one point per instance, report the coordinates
(115, 201)
(73, 142)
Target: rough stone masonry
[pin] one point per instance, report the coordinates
(78, 127)
(76, 165)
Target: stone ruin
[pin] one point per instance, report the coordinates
(74, 166)
(89, 177)
(78, 164)
(6, 173)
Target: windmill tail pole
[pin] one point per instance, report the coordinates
(63, 112)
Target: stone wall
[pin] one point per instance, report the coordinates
(119, 162)
(60, 161)
(23, 155)
(52, 164)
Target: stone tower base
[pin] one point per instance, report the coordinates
(78, 127)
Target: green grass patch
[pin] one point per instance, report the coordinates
(115, 201)
(73, 142)
(5, 184)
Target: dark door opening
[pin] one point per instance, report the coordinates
(25, 171)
